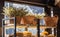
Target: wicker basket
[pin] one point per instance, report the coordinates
(51, 21)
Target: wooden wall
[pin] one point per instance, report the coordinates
(1, 16)
(57, 11)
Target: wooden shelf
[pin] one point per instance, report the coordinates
(47, 27)
(18, 26)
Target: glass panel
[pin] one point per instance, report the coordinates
(26, 26)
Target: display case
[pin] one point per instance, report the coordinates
(29, 26)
